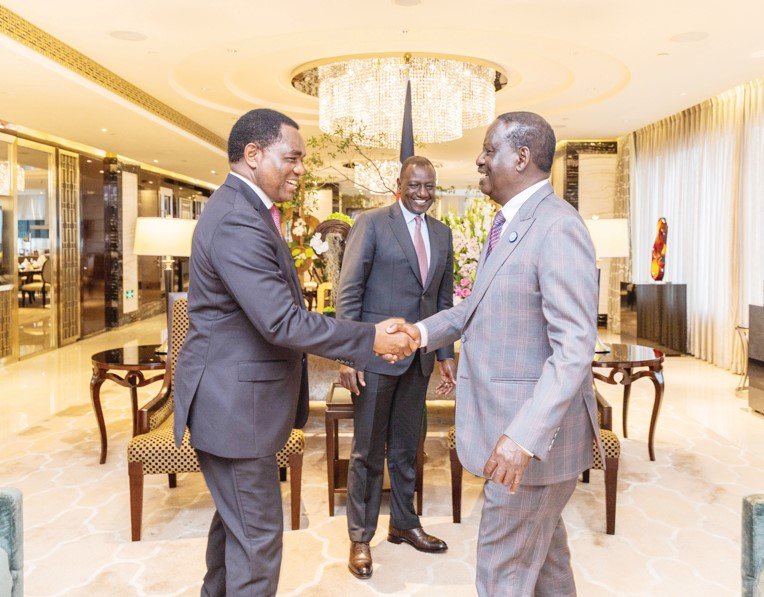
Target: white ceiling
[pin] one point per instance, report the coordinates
(593, 68)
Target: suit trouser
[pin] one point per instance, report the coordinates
(387, 411)
(245, 537)
(522, 544)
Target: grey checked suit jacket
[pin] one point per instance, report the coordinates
(241, 380)
(528, 332)
(380, 278)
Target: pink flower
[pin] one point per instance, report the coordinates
(465, 282)
(466, 292)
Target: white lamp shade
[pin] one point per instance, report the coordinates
(163, 236)
(610, 237)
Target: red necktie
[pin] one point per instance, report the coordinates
(276, 215)
(421, 251)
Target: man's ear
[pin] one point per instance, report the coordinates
(523, 158)
(252, 154)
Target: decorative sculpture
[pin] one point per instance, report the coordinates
(658, 263)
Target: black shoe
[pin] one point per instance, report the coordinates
(417, 538)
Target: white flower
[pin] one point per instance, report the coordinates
(318, 245)
(299, 228)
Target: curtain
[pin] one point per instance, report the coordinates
(701, 170)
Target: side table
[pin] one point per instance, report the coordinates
(624, 359)
(132, 359)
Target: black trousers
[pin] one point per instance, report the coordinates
(245, 539)
(387, 419)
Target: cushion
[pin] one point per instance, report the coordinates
(294, 445)
(610, 445)
(451, 438)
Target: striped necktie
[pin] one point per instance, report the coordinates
(495, 235)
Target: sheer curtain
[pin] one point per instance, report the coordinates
(701, 170)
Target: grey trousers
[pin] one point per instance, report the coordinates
(388, 412)
(245, 538)
(522, 544)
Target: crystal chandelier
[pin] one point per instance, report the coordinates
(378, 177)
(365, 94)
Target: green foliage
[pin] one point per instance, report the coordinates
(336, 215)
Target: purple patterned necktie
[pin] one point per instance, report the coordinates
(421, 251)
(493, 238)
(276, 215)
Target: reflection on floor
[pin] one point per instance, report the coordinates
(677, 528)
(34, 328)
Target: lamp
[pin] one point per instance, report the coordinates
(365, 94)
(611, 239)
(166, 238)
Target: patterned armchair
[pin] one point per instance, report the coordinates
(153, 452)
(610, 443)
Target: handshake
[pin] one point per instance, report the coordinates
(395, 339)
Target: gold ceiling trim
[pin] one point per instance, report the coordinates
(34, 38)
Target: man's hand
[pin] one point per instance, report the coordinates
(393, 342)
(448, 377)
(351, 379)
(506, 464)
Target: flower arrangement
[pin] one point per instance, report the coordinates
(469, 234)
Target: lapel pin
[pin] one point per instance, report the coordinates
(512, 236)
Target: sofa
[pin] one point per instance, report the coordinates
(11, 543)
(752, 564)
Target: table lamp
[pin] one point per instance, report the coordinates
(611, 239)
(166, 238)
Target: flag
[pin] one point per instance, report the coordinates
(407, 134)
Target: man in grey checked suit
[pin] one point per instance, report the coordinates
(398, 262)
(525, 409)
(241, 380)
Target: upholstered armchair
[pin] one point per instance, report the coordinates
(610, 443)
(11, 544)
(153, 452)
(752, 567)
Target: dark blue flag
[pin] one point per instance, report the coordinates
(407, 135)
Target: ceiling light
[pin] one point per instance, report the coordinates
(104, 130)
(365, 94)
(89, 161)
(100, 171)
(407, 2)
(156, 161)
(128, 35)
(378, 178)
(662, 54)
(689, 36)
(213, 172)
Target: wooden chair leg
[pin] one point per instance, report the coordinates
(611, 492)
(419, 475)
(456, 486)
(585, 476)
(135, 472)
(172, 479)
(282, 473)
(295, 479)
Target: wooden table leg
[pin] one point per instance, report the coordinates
(331, 451)
(99, 376)
(626, 395)
(657, 379)
(134, 380)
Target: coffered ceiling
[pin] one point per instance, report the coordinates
(593, 68)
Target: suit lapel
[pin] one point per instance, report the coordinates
(490, 265)
(401, 232)
(281, 246)
(436, 240)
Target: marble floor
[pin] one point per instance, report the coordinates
(678, 521)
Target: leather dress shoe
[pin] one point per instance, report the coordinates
(359, 562)
(417, 538)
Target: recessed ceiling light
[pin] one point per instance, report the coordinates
(104, 130)
(156, 161)
(128, 35)
(407, 2)
(662, 54)
(213, 172)
(689, 36)
(758, 54)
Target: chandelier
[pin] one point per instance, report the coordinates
(366, 94)
(378, 177)
(5, 178)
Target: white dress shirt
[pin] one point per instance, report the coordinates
(411, 224)
(266, 200)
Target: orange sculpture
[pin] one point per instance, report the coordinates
(658, 263)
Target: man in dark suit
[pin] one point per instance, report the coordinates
(398, 263)
(241, 380)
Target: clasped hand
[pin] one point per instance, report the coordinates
(395, 339)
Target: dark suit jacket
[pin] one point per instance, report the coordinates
(380, 278)
(241, 373)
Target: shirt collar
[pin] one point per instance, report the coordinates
(511, 207)
(409, 216)
(263, 197)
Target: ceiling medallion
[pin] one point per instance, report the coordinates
(365, 94)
